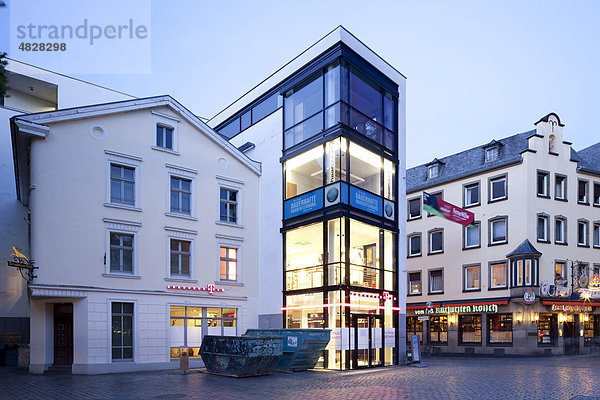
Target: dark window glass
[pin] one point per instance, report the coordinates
(414, 327)
(246, 119)
(415, 245)
(388, 112)
(414, 208)
(122, 331)
(264, 108)
(547, 328)
(472, 195)
(181, 193)
(414, 283)
(597, 194)
(365, 96)
(469, 329)
(228, 205)
(542, 184)
(180, 257)
(591, 329)
(304, 101)
(121, 252)
(231, 129)
(436, 241)
(582, 192)
(498, 189)
(122, 185)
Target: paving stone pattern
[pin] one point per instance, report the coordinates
(569, 378)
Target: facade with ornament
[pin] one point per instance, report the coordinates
(523, 279)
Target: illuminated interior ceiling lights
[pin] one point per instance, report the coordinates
(365, 306)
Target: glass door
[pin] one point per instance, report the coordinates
(368, 344)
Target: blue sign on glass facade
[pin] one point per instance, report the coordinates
(303, 204)
(366, 201)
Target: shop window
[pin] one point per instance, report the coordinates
(471, 195)
(543, 222)
(543, 184)
(498, 231)
(414, 283)
(365, 169)
(560, 187)
(582, 192)
(498, 275)
(228, 263)
(436, 241)
(582, 233)
(335, 161)
(547, 329)
(472, 277)
(560, 230)
(438, 329)
(469, 329)
(436, 281)
(300, 312)
(122, 331)
(304, 255)
(498, 189)
(472, 236)
(500, 329)
(364, 255)
(414, 245)
(414, 208)
(591, 330)
(304, 172)
(560, 274)
(414, 327)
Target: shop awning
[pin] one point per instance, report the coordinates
(570, 303)
(500, 302)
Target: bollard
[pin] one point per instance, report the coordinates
(184, 360)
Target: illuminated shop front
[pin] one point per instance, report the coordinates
(339, 210)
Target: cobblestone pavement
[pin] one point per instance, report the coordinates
(573, 378)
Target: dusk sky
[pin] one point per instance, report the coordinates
(476, 70)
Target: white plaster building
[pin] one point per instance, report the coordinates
(536, 204)
(144, 227)
(30, 89)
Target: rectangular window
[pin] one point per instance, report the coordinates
(122, 331)
(365, 169)
(498, 190)
(582, 192)
(122, 185)
(491, 154)
(542, 228)
(304, 172)
(302, 111)
(335, 167)
(500, 329)
(229, 263)
(498, 275)
(414, 283)
(591, 329)
(472, 235)
(180, 257)
(414, 208)
(414, 245)
(436, 281)
(181, 193)
(436, 242)
(414, 327)
(560, 187)
(264, 108)
(560, 231)
(596, 235)
(520, 273)
(121, 253)
(543, 183)
(164, 137)
(432, 171)
(596, 194)
(469, 329)
(471, 195)
(582, 233)
(547, 329)
(498, 231)
(560, 274)
(472, 275)
(438, 329)
(228, 205)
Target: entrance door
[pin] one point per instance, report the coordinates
(368, 343)
(570, 335)
(63, 334)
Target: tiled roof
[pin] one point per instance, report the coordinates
(524, 249)
(469, 162)
(588, 158)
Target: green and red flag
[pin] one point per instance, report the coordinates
(446, 210)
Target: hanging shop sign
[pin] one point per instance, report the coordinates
(594, 284)
(462, 309)
(24, 264)
(210, 288)
(571, 308)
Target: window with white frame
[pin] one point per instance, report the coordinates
(414, 245)
(122, 331)
(582, 191)
(433, 171)
(436, 281)
(164, 137)
(471, 195)
(596, 196)
(596, 234)
(414, 283)
(180, 253)
(230, 201)
(472, 235)
(414, 208)
(229, 258)
(582, 233)
(436, 241)
(181, 195)
(491, 154)
(543, 222)
(498, 231)
(498, 275)
(543, 183)
(524, 272)
(498, 189)
(122, 177)
(560, 187)
(560, 274)
(472, 277)
(560, 230)
(121, 247)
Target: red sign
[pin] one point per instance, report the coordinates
(210, 288)
(447, 210)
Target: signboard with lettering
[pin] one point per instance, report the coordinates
(463, 309)
(571, 308)
(366, 201)
(303, 204)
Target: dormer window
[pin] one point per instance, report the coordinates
(432, 171)
(491, 154)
